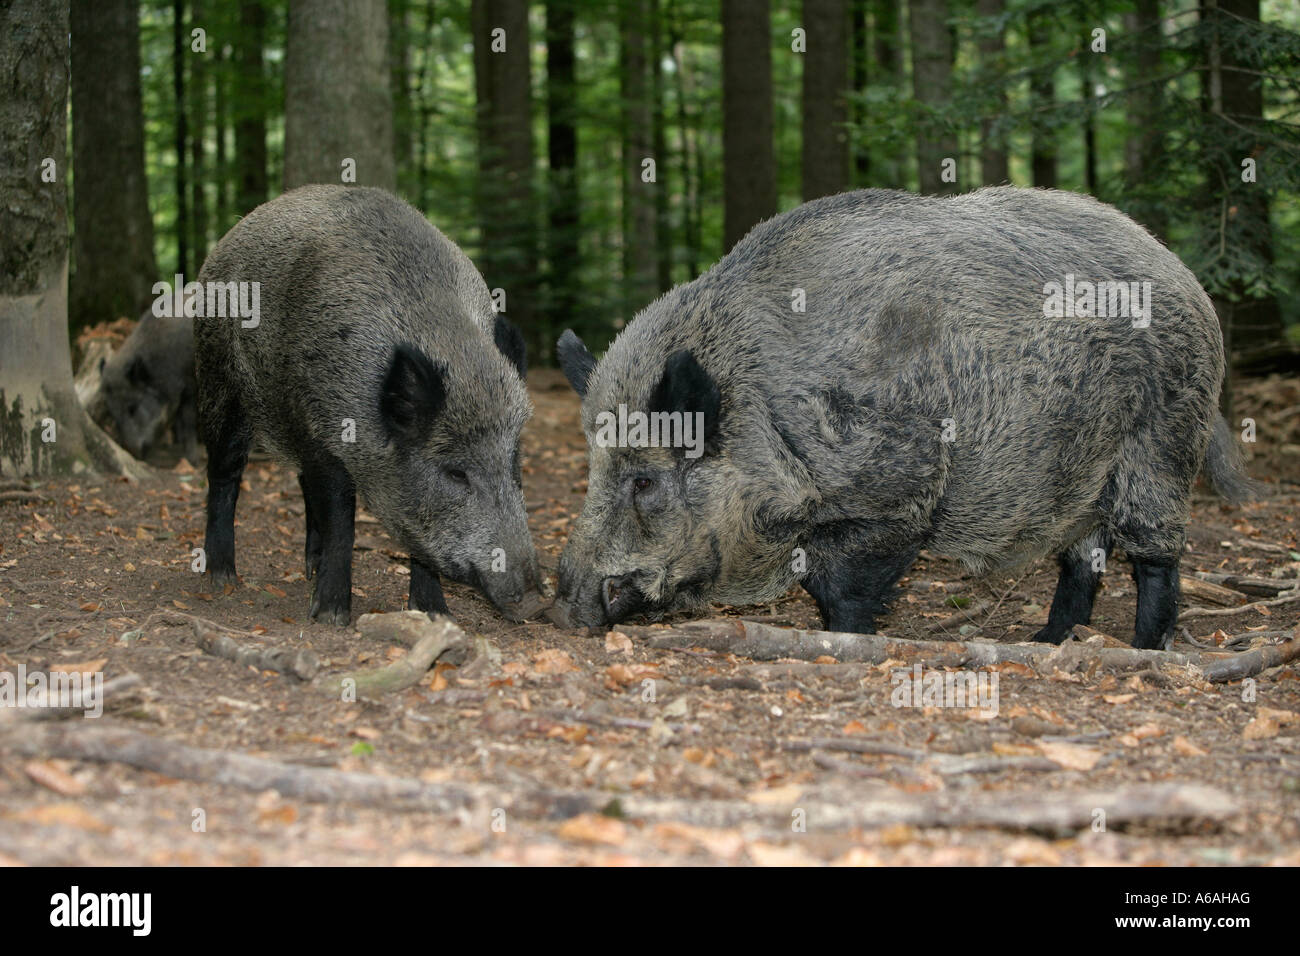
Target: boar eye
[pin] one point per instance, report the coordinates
(458, 476)
(641, 484)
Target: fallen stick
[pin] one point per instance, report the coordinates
(1168, 805)
(762, 642)
(1286, 597)
(1262, 587)
(1203, 590)
(1252, 662)
(24, 496)
(427, 638)
(301, 663)
(77, 708)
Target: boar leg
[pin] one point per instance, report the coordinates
(227, 454)
(311, 555)
(1076, 590)
(328, 486)
(426, 591)
(185, 430)
(1157, 603)
(854, 589)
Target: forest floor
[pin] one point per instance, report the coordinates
(97, 577)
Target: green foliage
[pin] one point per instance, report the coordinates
(1192, 188)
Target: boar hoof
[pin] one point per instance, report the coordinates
(223, 576)
(1052, 635)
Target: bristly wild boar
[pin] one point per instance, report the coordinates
(938, 392)
(149, 382)
(377, 368)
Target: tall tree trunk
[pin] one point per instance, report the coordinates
(748, 152)
(1238, 98)
(994, 168)
(113, 235)
(825, 111)
(562, 158)
(508, 253)
(887, 41)
(1042, 96)
(688, 193)
(640, 221)
(250, 103)
(1144, 148)
(43, 429)
(663, 224)
(399, 58)
(861, 72)
(180, 48)
(220, 132)
(197, 125)
(338, 110)
(932, 52)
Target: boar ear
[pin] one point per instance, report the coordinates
(137, 372)
(511, 343)
(576, 361)
(412, 394)
(686, 387)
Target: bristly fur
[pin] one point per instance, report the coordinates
(924, 320)
(369, 314)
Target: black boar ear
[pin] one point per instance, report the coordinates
(137, 372)
(412, 394)
(686, 387)
(576, 361)
(511, 343)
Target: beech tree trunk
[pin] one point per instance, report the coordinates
(338, 110)
(114, 267)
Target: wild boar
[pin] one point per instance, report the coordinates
(149, 382)
(375, 366)
(994, 376)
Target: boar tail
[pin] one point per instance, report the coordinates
(1224, 469)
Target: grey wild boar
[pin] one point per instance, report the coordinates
(149, 382)
(877, 373)
(375, 367)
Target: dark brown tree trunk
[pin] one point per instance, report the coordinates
(932, 53)
(43, 429)
(861, 72)
(1042, 96)
(748, 152)
(640, 220)
(221, 130)
(113, 231)
(688, 155)
(994, 168)
(197, 125)
(338, 109)
(1145, 146)
(508, 253)
(250, 102)
(562, 155)
(825, 111)
(180, 49)
(1237, 96)
(663, 225)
